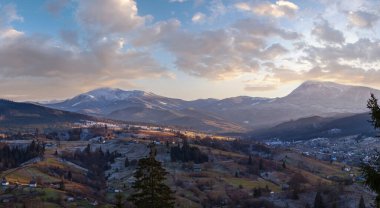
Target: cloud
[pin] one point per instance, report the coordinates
(56, 6)
(281, 8)
(111, 16)
(179, 1)
(264, 29)
(198, 17)
(362, 19)
(9, 33)
(79, 59)
(363, 51)
(273, 52)
(70, 37)
(37, 56)
(325, 33)
(258, 88)
(154, 34)
(8, 15)
(225, 53)
(351, 63)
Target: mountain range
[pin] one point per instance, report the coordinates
(236, 114)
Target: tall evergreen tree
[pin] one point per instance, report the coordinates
(318, 202)
(361, 203)
(70, 176)
(371, 171)
(261, 165)
(126, 162)
(250, 160)
(119, 199)
(150, 189)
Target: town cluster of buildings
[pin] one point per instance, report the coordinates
(350, 150)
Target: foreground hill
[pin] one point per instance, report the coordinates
(313, 127)
(24, 114)
(312, 98)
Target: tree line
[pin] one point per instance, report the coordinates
(186, 153)
(12, 157)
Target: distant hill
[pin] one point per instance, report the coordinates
(312, 98)
(23, 114)
(313, 127)
(139, 106)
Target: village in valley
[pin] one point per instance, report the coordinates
(93, 164)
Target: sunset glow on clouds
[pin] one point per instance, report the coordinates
(187, 49)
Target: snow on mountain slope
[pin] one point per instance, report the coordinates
(312, 98)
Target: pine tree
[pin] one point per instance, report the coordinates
(126, 163)
(119, 198)
(371, 171)
(150, 189)
(361, 203)
(61, 185)
(318, 202)
(250, 160)
(261, 165)
(70, 176)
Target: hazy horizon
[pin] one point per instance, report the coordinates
(150, 91)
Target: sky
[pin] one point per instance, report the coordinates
(189, 49)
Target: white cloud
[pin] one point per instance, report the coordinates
(281, 8)
(8, 14)
(362, 19)
(198, 17)
(179, 1)
(244, 6)
(111, 16)
(10, 33)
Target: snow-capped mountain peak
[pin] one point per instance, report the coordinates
(114, 94)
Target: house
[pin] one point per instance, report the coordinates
(70, 199)
(4, 182)
(33, 184)
(197, 168)
(131, 180)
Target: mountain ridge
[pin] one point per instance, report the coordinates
(311, 98)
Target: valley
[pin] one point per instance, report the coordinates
(91, 145)
(236, 173)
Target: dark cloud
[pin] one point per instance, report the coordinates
(56, 6)
(325, 33)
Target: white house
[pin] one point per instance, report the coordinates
(33, 184)
(4, 182)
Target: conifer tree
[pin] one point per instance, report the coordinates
(361, 203)
(371, 171)
(250, 160)
(261, 165)
(119, 198)
(126, 163)
(70, 176)
(150, 189)
(318, 202)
